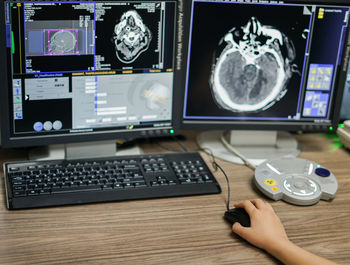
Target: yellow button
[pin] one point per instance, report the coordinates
(270, 182)
(274, 189)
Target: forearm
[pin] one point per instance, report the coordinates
(290, 254)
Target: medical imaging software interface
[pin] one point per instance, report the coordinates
(345, 107)
(263, 61)
(90, 66)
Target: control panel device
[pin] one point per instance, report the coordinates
(295, 180)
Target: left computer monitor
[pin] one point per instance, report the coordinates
(76, 71)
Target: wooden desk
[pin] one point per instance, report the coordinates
(187, 230)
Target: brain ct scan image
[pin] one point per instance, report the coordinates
(252, 70)
(62, 41)
(131, 37)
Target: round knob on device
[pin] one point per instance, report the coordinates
(322, 172)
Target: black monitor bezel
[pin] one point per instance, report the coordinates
(207, 124)
(15, 142)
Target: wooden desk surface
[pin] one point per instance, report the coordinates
(186, 230)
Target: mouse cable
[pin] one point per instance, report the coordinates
(180, 144)
(183, 148)
(228, 187)
(209, 152)
(235, 151)
(216, 166)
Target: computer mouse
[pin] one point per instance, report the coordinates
(237, 215)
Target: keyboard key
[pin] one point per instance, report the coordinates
(75, 189)
(44, 191)
(32, 192)
(19, 193)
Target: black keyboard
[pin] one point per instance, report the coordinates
(32, 184)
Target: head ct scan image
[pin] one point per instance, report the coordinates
(132, 37)
(62, 41)
(251, 72)
(133, 34)
(263, 61)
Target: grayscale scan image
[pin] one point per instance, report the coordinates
(251, 72)
(131, 37)
(62, 41)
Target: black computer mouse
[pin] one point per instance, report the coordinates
(237, 215)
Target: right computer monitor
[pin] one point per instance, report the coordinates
(265, 65)
(345, 107)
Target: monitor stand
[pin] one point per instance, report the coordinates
(256, 146)
(81, 151)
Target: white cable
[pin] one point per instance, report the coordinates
(235, 151)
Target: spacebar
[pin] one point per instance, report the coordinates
(75, 189)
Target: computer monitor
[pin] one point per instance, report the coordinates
(264, 65)
(345, 107)
(76, 71)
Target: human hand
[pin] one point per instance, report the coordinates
(266, 230)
